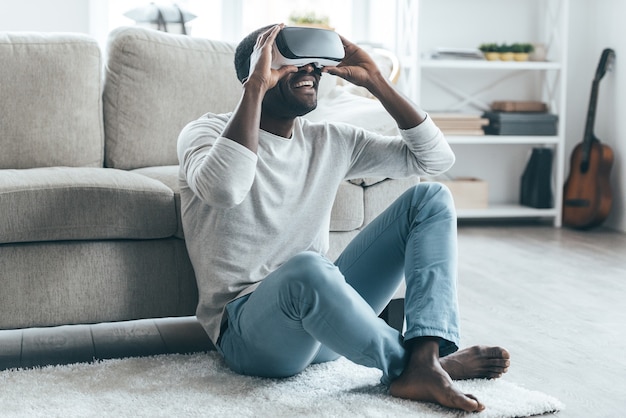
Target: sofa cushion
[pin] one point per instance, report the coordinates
(380, 196)
(167, 175)
(51, 107)
(155, 84)
(64, 203)
(348, 211)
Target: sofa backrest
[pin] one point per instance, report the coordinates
(50, 100)
(156, 83)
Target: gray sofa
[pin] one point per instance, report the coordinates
(93, 261)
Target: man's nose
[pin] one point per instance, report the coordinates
(308, 68)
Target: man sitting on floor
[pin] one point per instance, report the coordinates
(257, 188)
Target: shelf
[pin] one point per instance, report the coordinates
(501, 140)
(506, 211)
(472, 85)
(489, 65)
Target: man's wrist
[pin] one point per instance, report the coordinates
(253, 84)
(378, 85)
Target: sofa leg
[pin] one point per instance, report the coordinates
(393, 314)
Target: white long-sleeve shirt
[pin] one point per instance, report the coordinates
(245, 214)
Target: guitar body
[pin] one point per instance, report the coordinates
(587, 196)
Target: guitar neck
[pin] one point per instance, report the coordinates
(591, 115)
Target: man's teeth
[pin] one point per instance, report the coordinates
(303, 84)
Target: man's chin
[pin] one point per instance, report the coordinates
(283, 106)
(309, 109)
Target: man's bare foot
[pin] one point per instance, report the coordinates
(424, 379)
(477, 362)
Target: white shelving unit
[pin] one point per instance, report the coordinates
(471, 85)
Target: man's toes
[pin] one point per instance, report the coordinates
(498, 352)
(498, 364)
(480, 405)
(466, 402)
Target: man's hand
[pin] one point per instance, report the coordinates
(261, 70)
(243, 126)
(357, 67)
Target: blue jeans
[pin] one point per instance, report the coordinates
(311, 310)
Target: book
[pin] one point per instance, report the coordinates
(460, 123)
(521, 123)
(519, 106)
(443, 53)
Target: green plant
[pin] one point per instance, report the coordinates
(308, 18)
(502, 48)
(488, 47)
(524, 48)
(516, 48)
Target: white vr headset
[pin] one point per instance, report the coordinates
(301, 46)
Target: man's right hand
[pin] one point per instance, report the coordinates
(243, 126)
(261, 70)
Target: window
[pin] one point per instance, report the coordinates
(207, 24)
(230, 20)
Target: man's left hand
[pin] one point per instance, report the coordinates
(356, 67)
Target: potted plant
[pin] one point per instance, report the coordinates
(490, 51)
(506, 53)
(521, 51)
(309, 19)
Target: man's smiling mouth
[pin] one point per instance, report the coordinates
(304, 83)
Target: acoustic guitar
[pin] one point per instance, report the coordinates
(587, 196)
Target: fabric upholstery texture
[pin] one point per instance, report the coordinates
(167, 175)
(156, 83)
(347, 213)
(75, 203)
(50, 106)
(378, 197)
(69, 282)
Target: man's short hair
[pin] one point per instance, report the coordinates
(243, 52)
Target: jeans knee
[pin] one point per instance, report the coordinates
(310, 269)
(437, 196)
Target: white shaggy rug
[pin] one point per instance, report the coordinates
(201, 385)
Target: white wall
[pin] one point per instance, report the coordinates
(594, 25)
(44, 15)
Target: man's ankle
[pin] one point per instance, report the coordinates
(423, 348)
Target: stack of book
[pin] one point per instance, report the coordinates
(520, 118)
(456, 54)
(460, 123)
(521, 123)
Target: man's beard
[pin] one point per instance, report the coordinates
(285, 105)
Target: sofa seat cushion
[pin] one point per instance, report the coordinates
(348, 210)
(167, 175)
(83, 203)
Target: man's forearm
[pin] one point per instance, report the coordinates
(243, 126)
(406, 114)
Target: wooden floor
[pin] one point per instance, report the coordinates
(556, 299)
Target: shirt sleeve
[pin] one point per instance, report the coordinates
(218, 170)
(421, 150)
(429, 147)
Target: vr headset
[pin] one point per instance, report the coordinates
(301, 46)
